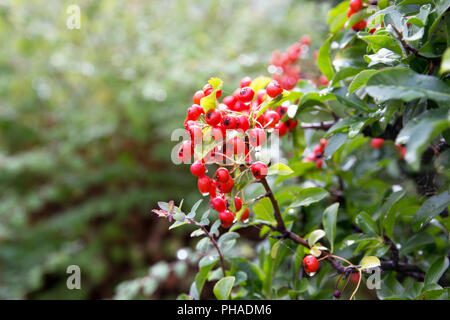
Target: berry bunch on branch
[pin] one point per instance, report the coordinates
(356, 193)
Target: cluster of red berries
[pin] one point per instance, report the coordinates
(287, 71)
(310, 264)
(377, 143)
(355, 7)
(317, 154)
(237, 113)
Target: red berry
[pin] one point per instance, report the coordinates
(238, 145)
(323, 81)
(197, 96)
(360, 25)
(319, 163)
(310, 264)
(260, 95)
(281, 111)
(207, 89)
(218, 133)
(219, 204)
(204, 185)
(356, 5)
(291, 124)
(198, 169)
(259, 170)
(245, 215)
(237, 203)
(376, 143)
(402, 151)
(318, 150)
(323, 142)
(271, 118)
(256, 137)
(185, 151)
(350, 12)
(222, 175)
(194, 112)
(281, 128)
(245, 82)
(230, 101)
(246, 94)
(195, 133)
(274, 89)
(306, 39)
(229, 122)
(213, 117)
(243, 123)
(227, 218)
(227, 186)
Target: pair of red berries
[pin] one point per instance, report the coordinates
(377, 143)
(354, 7)
(317, 154)
(310, 264)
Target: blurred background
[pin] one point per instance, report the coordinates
(85, 123)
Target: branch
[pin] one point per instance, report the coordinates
(404, 268)
(324, 125)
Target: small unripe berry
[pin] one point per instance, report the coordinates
(376, 143)
(198, 169)
(219, 204)
(259, 170)
(213, 117)
(227, 218)
(274, 89)
(204, 185)
(337, 294)
(198, 96)
(246, 94)
(310, 264)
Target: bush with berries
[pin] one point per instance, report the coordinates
(357, 189)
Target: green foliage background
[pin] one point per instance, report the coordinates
(85, 123)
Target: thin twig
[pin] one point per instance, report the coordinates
(214, 242)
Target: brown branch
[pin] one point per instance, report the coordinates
(324, 125)
(404, 268)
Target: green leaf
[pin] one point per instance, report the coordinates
(337, 17)
(418, 133)
(264, 211)
(360, 80)
(366, 223)
(369, 262)
(383, 41)
(436, 270)
(200, 278)
(445, 64)
(430, 209)
(324, 59)
(334, 144)
(259, 83)
(315, 236)
(416, 241)
(329, 219)
(308, 196)
(222, 288)
(210, 101)
(383, 57)
(274, 251)
(406, 85)
(280, 169)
